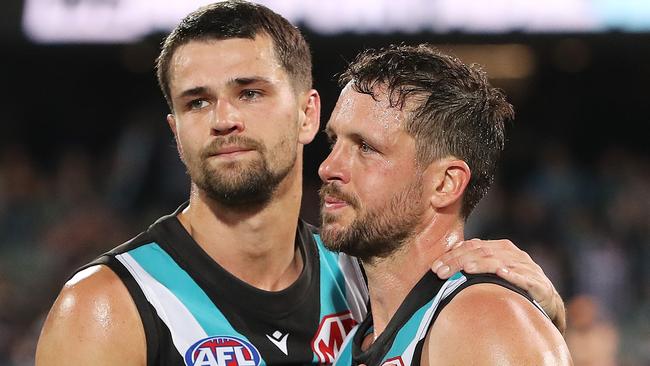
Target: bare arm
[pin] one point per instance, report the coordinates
(487, 324)
(512, 264)
(94, 321)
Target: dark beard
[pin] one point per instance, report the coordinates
(253, 187)
(375, 234)
(254, 184)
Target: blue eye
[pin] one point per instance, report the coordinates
(198, 104)
(250, 94)
(365, 148)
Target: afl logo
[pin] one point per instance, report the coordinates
(222, 351)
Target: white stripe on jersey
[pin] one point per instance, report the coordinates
(356, 290)
(182, 325)
(447, 288)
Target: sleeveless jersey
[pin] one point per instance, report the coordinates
(401, 343)
(196, 313)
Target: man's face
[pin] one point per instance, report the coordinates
(372, 195)
(236, 118)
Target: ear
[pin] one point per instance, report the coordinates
(171, 121)
(450, 178)
(310, 121)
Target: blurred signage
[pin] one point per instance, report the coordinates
(56, 21)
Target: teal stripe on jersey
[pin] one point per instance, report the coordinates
(332, 281)
(153, 259)
(332, 284)
(456, 276)
(407, 333)
(407, 336)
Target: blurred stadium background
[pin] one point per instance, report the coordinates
(86, 160)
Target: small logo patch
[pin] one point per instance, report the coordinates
(222, 351)
(279, 340)
(330, 335)
(395, 361)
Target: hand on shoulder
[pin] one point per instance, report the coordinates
(486, 324)
(506, 260)
(94, 321)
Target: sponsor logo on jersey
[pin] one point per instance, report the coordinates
(279, 340)
(330, 335)
(395, 361)
(222, 351)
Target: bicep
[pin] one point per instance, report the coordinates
(489, 325)
(93, 321)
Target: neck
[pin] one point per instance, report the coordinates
(389, 281)
(256, 245)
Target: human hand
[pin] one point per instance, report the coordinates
(507, 261)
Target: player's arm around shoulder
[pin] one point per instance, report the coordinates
(94, 321)
(487, 324)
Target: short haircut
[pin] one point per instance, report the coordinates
(453, 108)
(239, 19)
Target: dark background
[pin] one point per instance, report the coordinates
(87, 161)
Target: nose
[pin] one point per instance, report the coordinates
(336, 167)
(226, 119)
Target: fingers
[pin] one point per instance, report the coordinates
(538, 286)
(473, 256)
(461, 252)
(505, 259)
(476, 251)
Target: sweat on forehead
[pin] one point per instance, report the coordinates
(362, 109)
(455, 110)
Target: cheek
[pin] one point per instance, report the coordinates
(371, 186)
(188, 146)
(378, 184)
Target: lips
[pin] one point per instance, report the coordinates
(231, 147)
(332, 202)
(332, 198)
(231, 150)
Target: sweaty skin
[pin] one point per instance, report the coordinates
(94, 314)
(93, 317)
(505, 330)
(508, 262)
(485, 324)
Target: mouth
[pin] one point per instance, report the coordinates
(331, 203)
(230, 151)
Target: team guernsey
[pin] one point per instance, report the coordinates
(195, 313)
(401, 343)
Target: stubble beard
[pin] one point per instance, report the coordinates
(243, 184)
(377, 233)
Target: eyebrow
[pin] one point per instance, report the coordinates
(199, 90)
(355, 136)
(242, 81)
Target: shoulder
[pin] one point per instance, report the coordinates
(487, 324)
(92, 317)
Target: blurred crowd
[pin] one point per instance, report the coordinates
(585, 223)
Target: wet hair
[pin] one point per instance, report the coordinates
(452, 108)
(239, 19)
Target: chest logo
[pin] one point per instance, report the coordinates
(222, 351)
(279, 340)
(330, 335)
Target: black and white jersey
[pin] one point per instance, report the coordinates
(196, 313)
(400, 344)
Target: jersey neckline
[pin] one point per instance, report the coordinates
(172, 236)
(423, 291)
